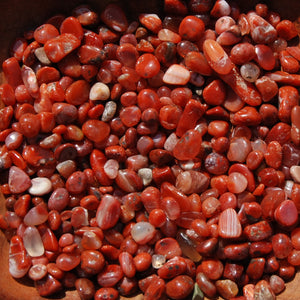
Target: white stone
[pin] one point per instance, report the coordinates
(177, 74)
(295, 173)
(158, 260)
(33, 242)
(99, 91)
(142, 232)
(109, 111)
(42, 56)
(111, 168)
(146, 175)
(40, 186)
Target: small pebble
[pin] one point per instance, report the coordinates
(40, 186)
(158, 261)
(177, 74)
(295, 173)
(109, 111)
(99, 91)
(146, 175)
(42, 56)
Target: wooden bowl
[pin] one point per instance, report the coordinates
(17, 17)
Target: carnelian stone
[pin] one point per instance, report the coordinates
(147, 65)
(191, 28)
(97, 131)
(60, 46)
(188, 146)
(44, 33)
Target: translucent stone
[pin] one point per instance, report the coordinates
(42, 56)
(236, 183)
(250, 71)
(239, 149)
(111, 168)
(177, 74)
(142, 232)
(227, 288)
(19, 261)
(170, 142)
(33, 242)
(295, 173)
(192, 181)
(263, 291)
(36, 215)
(40, 186)
(229, 224)
(109, 111)
(99, 91)
(146, 175)
(158, 261)
(37, 272)
(91, 241)
(188, 247)
(18, 180)
(168, 35)
(108, 212)
(66, 168)
(288, 186)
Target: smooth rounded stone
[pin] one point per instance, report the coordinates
(239, 149)
(36, 215)
(170, 142)
(37, 272)
(13, 140)
(188, 247)
(277, 284)
(177, 75)
(180, 287)
(286, 213)
(79, 217)
(18, 180)
(40, 186)
(169, 247)
(59, 199)
(85, 288)
(229, 224)
(236, 183)
(108, 212)
(295, 173)
(158, 261)
(147, 65)
(142, 232)
(48, 286)
(111, 168)
(227, 288)
(110, 109)
(288, 187)
(146, 175)
(91, 241)
(42, 56)
(67, 261)
(33, 242)
(99, 91)
(188, 146)
(192, 181)
(282, 245)
(66, 168)
(263, 291)
(19, 261)
(250, 71)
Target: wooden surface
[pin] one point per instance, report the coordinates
(18, 16)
